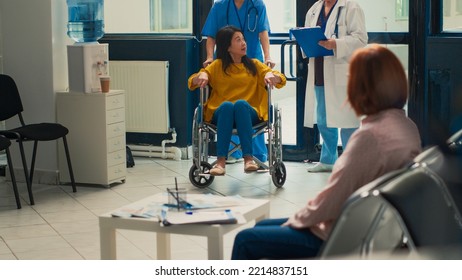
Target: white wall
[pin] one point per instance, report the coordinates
(34, 54)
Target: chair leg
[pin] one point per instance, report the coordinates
(26, 172)
(68, 157)
(13, 178)
(32, 165)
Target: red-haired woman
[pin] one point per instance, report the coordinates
(386, 140)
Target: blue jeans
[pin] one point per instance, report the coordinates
(240, 115)
(269, 240)
(329, 134)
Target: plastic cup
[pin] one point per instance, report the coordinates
(105, 82)
(177, 198)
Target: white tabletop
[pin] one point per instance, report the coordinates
(250, 209)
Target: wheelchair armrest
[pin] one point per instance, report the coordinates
(204, 95)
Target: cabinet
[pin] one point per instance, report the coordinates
(96, 123)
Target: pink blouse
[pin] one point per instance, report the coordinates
(384, 142)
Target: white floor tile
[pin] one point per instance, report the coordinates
(39, 244)
(64, 225)
(5, 257)
(23, 232)
(51, 254)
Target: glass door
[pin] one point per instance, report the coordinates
(281, 15)
(298, 142)
(387, 24)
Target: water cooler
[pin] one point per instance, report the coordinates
(86, 63)
(87, 59)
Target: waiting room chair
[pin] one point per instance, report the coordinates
(433, 214)
(4, 146)
(366, 226)
(414, 207)
(427, 209)
(445, 160)
(10, 106)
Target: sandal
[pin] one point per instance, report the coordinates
(250, 166)
(217, 170)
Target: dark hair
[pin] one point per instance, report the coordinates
(377, 81)
(223, 42)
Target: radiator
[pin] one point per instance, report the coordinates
(146, 90)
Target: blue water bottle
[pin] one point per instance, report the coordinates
(86, 20)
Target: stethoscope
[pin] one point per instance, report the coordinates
(336, 21)
(252, 9)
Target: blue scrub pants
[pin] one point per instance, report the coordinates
(240, 115)
(269, 240)
(260, 151)
(329, 134)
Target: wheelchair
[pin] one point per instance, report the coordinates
(203, 133)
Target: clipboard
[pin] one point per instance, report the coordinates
(308, 38)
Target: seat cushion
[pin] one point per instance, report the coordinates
(4, 143)
(42, 131)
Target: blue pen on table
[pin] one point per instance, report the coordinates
(227, 211)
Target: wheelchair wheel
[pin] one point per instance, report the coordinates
(279, 174)
(200, 177)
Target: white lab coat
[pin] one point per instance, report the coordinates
(351, 36)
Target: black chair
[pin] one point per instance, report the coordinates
(427, 209)
(367, 227)
(446, 161)
(424, 206)
(4, 145)
(10, 106)
(434, 212)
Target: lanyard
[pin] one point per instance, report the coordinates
(322, 20)
(336, 23)
(239, 17)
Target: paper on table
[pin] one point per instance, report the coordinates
(201, 217)
(153, 209)
(149, 211)
(308, 39)
(200, 201)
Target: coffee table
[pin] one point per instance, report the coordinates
(252, 210)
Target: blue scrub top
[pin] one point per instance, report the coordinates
(251, 22)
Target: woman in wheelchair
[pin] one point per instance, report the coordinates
(239, 97)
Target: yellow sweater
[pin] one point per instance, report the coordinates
(238, 84)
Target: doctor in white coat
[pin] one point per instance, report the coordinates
(326, 105)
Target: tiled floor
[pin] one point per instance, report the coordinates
(64, 225)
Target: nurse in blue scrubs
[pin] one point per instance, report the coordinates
(249, 16)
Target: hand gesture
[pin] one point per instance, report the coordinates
(329, 44)
(271, 80)
(270, 63)
(201, 80)
(207, 62)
